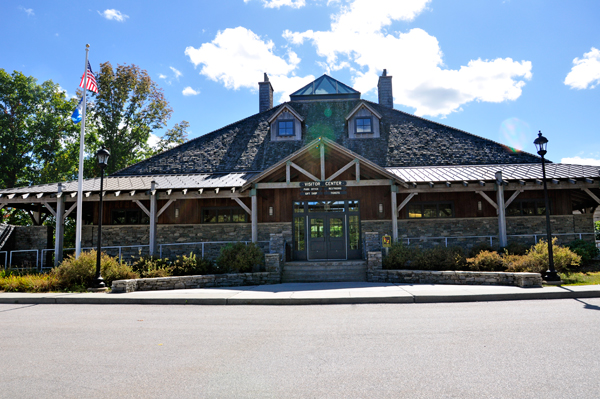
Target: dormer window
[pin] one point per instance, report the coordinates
(364, 125)
(285, 127)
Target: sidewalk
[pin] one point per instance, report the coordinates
(310, 294)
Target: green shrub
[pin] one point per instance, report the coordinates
(240, 258)
(585, 249)
(78, 274)
(28, 283)
(597, 229)
(439, 258)
(536, 259)
(486, 261)
(398, 257)
(152, 266)
(514, 248)
(191, 265)
(475, 250)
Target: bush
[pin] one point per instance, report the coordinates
(27, 283)
(473, 252)
(597, 229)
(585, 249)
(398, 257)
(486, 261)
(514, 248)
(151, 266)
(536, 259)
(191, 265)
(78, 274)
(440, 258)
(240, 258)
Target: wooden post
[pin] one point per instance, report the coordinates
(501, 211)
(394, 189)
(322, 148)
(153, 218)
(60, 227)
(254, 215)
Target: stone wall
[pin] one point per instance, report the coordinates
(130, 235)
(455, 277)
(428, 233)
(28, 238)
(189, 282)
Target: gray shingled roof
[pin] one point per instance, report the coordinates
(406, 140)
(487, 172)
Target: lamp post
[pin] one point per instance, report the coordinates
(102, 156)
(551, 275)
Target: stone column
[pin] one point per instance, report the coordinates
(277, 245)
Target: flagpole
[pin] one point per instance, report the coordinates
(80, 178)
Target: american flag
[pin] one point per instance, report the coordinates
(91, 80)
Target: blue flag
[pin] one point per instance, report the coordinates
(77, 114)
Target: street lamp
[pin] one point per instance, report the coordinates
(102, 156)
(551, 275)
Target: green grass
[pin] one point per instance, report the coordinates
(590, 278)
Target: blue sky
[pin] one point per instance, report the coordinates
(501, 69)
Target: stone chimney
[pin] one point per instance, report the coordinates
(384, 88)
(265, 95)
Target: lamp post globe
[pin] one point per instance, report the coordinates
(551, 276)
(102, 156)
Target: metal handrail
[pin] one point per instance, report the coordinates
(37, 255)
(535, 236)
(5, 258)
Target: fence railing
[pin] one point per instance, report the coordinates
(490, 238)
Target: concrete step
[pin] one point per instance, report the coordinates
(326, 271)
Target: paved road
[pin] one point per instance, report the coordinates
(517, 349)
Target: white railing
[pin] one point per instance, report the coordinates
(5, 258)
(160, 246)
(491, 238)
(37, 256)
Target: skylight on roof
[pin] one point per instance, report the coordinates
(325, 87)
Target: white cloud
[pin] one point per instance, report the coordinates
(28, 11)
(358, 40)
(280, 3)
(585, 72)
(153, 140)
(161, 76)
(581, 161)
(238, 58)
(114, 15)
(188, 91)
(176, 72)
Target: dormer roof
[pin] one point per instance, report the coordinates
(285, 107)
(325, 88)
(360, 105)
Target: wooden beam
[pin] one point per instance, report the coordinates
(169, 191)
(342, 170)
(184, 191)
(132, 193)
(217, 190)
(153, 220)
(244, 207)
(322, 151)
(588, 180)
(287, 172)
(538, 182)
(481, 183)
(522, 182)
(24, 196)
(49, 207)
(591, 194)
(117, 193)
(394, 190)
(555, 181)
(67, 213)
(307, 174)
(488, 199)
(200, 191)
(465, 184)
(448, 184)
(349, 183)
(254, 217)
(40, 195)
(146, 211)
(512, 198)
(572, 181)
(164, 208)
(406, 200)
(357, 169)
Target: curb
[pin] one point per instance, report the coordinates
(166, 298)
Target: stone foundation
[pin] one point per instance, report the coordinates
(454, 277)
(188, 282)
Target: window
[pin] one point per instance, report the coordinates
(285, 128)
(128, 216)
(224, 215)
(364, 125)
(430, 210)
(527, 207)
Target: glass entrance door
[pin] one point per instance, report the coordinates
(326, 230)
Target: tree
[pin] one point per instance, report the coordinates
(172, 137)
(126, 109)
(37, 136)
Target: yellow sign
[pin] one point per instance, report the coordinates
(386, 241)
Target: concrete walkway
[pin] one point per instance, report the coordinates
(311, 294)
